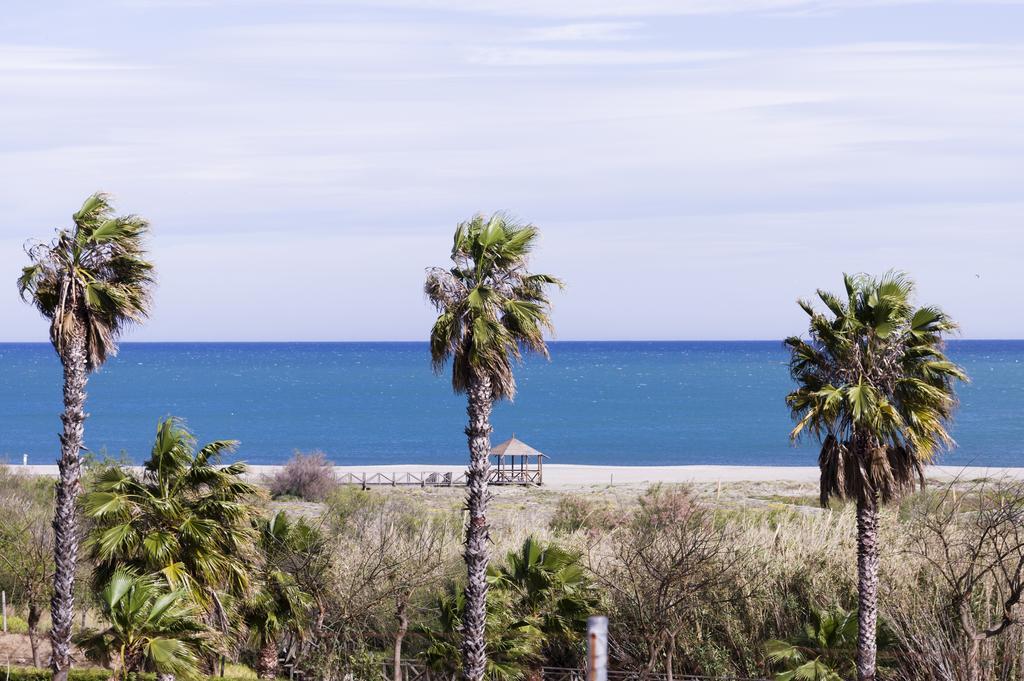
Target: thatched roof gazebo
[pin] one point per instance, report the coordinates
(516, 463)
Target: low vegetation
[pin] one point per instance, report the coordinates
(305, 476)
(692, 583)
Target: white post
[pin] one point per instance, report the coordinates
(3, 606)
(24, 459)
(597, 648)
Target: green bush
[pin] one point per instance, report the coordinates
(34, 674)
(238, 671)
(348, 503)
(16, 625)
(576, 512)
(92, 674)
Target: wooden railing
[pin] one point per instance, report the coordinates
(438, 479)
(424, 479)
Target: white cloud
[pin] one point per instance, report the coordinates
(601, 31)
(512, 56)
(578, 8)
(37, 58)
(727, 159)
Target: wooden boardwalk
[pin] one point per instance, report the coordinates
(513, 462)
(422, 479)
(499, 476)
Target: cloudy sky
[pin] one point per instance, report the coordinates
(694, 165)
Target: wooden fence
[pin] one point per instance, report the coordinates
(424, 479)
(499, 476)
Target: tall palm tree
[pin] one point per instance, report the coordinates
(875, 387)
(187, 519)
(91, 282)
(150, 628)
(491, 308)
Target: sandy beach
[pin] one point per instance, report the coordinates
(580, 476)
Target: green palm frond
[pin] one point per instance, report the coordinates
(824, 650)
(279, 602)
(149, 628)
(185, 518)
(513, 644)
(874, 386)
(490, 307)
(548, 587)
(92, 279)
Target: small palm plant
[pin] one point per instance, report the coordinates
(875, 387)
(279, 603)
(91, 282)
(824, 650)
(551, 589)
(150, 629)
(187, 519)
(514, 644)
(491, 308)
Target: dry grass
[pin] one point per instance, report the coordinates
(797, 555)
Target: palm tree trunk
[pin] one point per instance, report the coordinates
(65, 522)
(474, 652)
(867, 586)
(266, 661)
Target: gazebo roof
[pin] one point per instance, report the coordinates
(514, 447)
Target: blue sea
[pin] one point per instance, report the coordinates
(627, 403)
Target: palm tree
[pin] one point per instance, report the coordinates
(515, 644)
(187, 519)
(91, 282)
(150, 628)
(823, 649)
(874, 386)
(550, 588)
(490, 309)
(279, 604)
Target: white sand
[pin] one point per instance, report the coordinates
(571, 475)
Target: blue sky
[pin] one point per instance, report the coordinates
(694, 165)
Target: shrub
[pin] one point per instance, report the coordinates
(667, 506)
(238, 671)
(576, 512)
(306, 476)
(16, 625)
(349, 505)
(91, 674)
(35, 674)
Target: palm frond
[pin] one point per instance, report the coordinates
(874, 385)
(184, 518)
(491, 308)
(91, 281)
